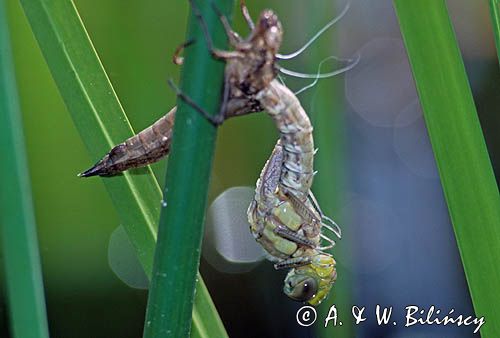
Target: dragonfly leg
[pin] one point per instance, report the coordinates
(293, 236)
(333, 226)
(246, 15)
(293, 262)
(216, 120)
(233, 37)
(216, 53)
(225, 100)
(176, 58)
(331, 243)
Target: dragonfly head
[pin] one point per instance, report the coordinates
(256, 67)
(269, 27)
(311, 283)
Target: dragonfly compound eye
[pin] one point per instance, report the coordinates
(300, 287)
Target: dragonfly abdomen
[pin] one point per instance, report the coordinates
(296, 137)
(144, 148)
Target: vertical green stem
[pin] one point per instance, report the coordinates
(19, 240)
(495, 18)
(180, 231)
(465, 170)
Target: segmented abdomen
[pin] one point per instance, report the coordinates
(144, 148)
(296, 137)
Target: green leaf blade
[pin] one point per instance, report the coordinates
(464, 166)
(97, 113)
(20, 252)
(495, 18)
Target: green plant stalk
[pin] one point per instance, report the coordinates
(464, 167)
(495, 18)
(101, 122)
(23, 272)
(186, 189)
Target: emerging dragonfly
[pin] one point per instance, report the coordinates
(290, 230)
(284, 216)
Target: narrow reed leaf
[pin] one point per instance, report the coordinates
(97, 113)
(20, 253)
(464, 167)
(101, 122)
(203, 307)
(495, 18)
(181, 223)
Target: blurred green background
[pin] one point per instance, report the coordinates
(135, 41)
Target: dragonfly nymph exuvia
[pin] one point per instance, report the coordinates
(284, 216)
